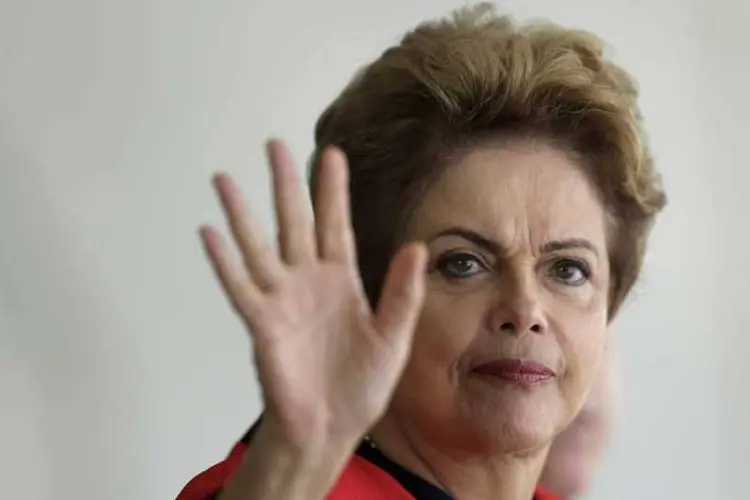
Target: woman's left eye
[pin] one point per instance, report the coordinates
(571, 272)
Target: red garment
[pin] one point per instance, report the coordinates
(360, 480)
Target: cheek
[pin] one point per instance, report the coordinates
(448, 325)
(580, 324)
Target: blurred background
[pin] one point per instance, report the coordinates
(123, 371)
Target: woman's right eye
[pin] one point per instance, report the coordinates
(459, 266)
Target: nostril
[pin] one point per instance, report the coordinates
(536, 328)
(507, 326)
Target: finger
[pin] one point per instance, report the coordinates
(403, 294)
(295, 225)
(242, 293)
(260, 257)
(333, 211)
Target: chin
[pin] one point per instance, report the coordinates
(518, 420)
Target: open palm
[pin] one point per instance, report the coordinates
(326, 362)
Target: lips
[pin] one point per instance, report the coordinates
(516, 370)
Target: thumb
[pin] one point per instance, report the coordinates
(403, 294)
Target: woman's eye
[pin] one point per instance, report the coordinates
(571, 272)
(460, 266)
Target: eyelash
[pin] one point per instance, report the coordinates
(446, 261)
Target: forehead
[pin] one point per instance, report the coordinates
(522, 188)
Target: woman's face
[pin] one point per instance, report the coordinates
(515, 315)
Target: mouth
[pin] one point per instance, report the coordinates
(517, 371)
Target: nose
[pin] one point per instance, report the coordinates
(518, 309)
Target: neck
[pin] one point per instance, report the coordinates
(475, 476)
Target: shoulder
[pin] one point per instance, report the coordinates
(359, 480)
(542, 494)
(208, 484)
(364, 480)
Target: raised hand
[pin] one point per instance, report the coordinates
(326, 362)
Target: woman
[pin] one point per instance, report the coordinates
(483, 195)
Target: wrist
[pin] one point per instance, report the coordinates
(316, 447)
(279, 467)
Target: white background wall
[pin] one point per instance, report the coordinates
(122, 371)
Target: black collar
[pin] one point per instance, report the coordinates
(418, 487)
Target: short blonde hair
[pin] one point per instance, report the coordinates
(477, 76)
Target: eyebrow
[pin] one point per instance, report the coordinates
(496, 247)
